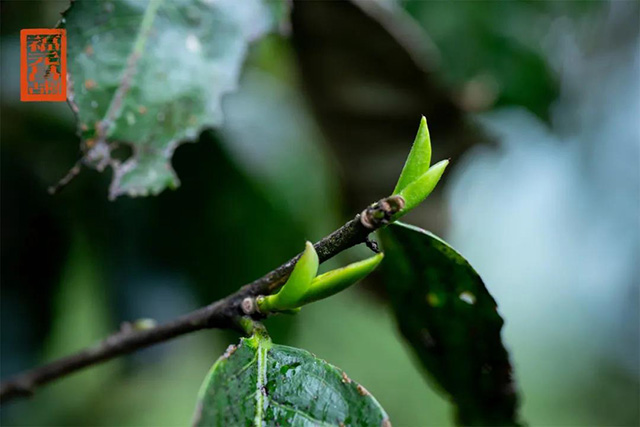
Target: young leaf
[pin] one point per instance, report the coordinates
(299, 281)
(367, 121)
(260, 383)
(339, 279)
(151, 75)
(419, 158)
(418, 190)
(446, 313)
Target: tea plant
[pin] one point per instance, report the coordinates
(151, 76)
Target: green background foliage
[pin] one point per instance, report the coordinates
(303, 147)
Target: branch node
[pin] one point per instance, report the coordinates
(248, 306)
(381, 212)
(372, 244)
(65, 180)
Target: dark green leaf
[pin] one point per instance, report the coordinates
(451, 320)
(151, 75)
(260, 383)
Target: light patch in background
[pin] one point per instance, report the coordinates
(282, 150)
(551, 222)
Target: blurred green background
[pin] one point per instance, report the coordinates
(537, 103)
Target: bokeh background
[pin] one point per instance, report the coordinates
(536, 102)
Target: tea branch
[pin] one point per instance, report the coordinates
(226, 313)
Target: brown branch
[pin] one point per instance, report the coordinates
(65, 180)
(224, 313)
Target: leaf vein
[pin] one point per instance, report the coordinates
(298, 412)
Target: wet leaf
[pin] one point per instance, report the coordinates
(446, 313)
(261, 383)
(150, 75)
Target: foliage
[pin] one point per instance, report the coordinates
(495, 64)
(127, 89)
(418, 179)
(261, 383)
(419, 159)
(369, 76)
(443, 309)
(151, 76)
(303, 286)
(451, 320)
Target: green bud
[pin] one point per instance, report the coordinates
(419, 158)
(299, 281)
(337, 280)
(414, 193)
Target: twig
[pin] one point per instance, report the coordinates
(225, 313)
(73, 172)
(372, 244)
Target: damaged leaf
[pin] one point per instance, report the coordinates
(150, 75)
(444, 310)
(260, 383)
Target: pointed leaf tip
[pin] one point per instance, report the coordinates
(334, 281)
(414, 193)
(418, 160)
(299, 281)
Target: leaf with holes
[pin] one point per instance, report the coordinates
(261, 383)
(150, 75)
(446, 313)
